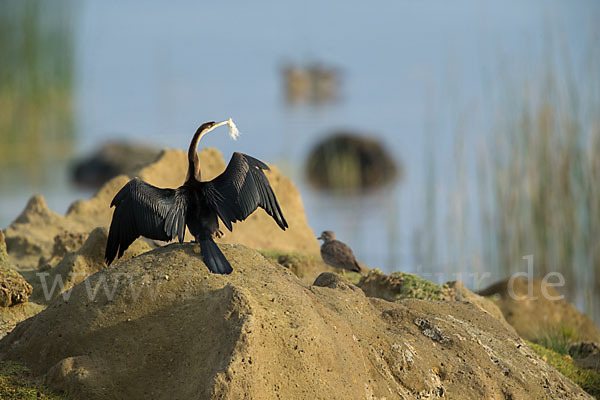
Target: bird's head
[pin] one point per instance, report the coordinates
(209, 126)
(327, 236)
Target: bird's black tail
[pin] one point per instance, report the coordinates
(214, 258)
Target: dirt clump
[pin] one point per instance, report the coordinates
(13, 288)
(14, 294)
(161, 326)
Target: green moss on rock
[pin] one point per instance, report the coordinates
(400, 285)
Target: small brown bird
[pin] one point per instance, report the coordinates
(336, 253)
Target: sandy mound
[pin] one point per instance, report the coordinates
(64, 243)
(32, 235)
(76, 266)
(539, 314)
(161, 326)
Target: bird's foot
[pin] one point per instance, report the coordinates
(218, 233)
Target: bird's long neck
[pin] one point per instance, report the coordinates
(193, 173)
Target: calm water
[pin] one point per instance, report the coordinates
(413, 74)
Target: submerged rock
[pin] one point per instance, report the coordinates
(350, 162)
(161, 326)
(536, 310)
(112, 159)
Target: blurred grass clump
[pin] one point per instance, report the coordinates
(559, 339)
(36, 83)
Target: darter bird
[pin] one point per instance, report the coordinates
(162, 214)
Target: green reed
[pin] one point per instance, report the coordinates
(539, 185)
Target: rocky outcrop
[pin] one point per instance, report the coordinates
(64, 243)
(161, 326)
(535, 309)
(14, 294)
(400, 285)
(13, 288)
(31, 236)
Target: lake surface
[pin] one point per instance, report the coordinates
(420, 76)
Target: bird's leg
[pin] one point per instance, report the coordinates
(218, 233)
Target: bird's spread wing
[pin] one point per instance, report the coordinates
(241, 189)
(145, 210)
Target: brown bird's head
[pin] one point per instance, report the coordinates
(327, 236)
